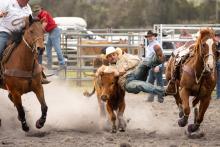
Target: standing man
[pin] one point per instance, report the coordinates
(53, 36)
(155, 73)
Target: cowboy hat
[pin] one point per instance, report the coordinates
(150, 33)
(109, 50)
(36, 8)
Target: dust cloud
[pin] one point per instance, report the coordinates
(69, 109)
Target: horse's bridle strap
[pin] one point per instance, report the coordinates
(31, 46)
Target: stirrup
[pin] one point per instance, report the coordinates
(45, 81)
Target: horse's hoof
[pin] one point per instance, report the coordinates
(194, 135)
(182, 122)
(181, 114)
(25, 128)
(39, 124)
(192, 128)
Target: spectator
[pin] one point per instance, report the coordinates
(184, 34)
(217, 39)
(53, 36)
(155, 73)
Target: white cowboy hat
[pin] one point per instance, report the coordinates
(111, 49)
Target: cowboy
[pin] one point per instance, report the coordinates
(130, 70)
(12, 13)
(155, 73)
(54, 34)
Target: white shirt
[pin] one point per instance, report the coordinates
(14, 19)
(149, 50)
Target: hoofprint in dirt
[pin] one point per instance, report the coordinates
(73, 121)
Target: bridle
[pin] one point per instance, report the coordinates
(203, 57)
(33, 44)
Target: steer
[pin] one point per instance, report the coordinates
(108, 90)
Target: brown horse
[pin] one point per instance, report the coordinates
(196, 77)
(22, 73)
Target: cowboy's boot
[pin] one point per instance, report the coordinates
(44, 79)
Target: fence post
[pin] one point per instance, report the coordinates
(79, 65)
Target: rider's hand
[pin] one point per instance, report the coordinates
(2, 14)
(156, 69)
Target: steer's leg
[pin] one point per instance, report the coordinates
(102, 113)
(112, 117)
(122, 123)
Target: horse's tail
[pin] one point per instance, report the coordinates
(87, 94)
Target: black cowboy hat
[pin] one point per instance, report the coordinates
(150, 33)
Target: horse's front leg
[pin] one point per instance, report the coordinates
(184, 94)
(179, 103)
(204, 103)
(20, 109)
(40, 96)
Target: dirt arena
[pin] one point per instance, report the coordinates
(73, 121)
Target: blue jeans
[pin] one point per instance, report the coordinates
(156, 76)
(135, 84)
(3, 41)
(40, 55)
(54, 41)
(218, 80)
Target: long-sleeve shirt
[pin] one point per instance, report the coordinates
(46, 17)
(126, 62)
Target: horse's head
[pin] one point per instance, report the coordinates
(206, 48)
(33, 34)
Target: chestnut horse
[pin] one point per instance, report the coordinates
(22, 73)
(196, 77)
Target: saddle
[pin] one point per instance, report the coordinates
(11, 45)
(180, 56)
